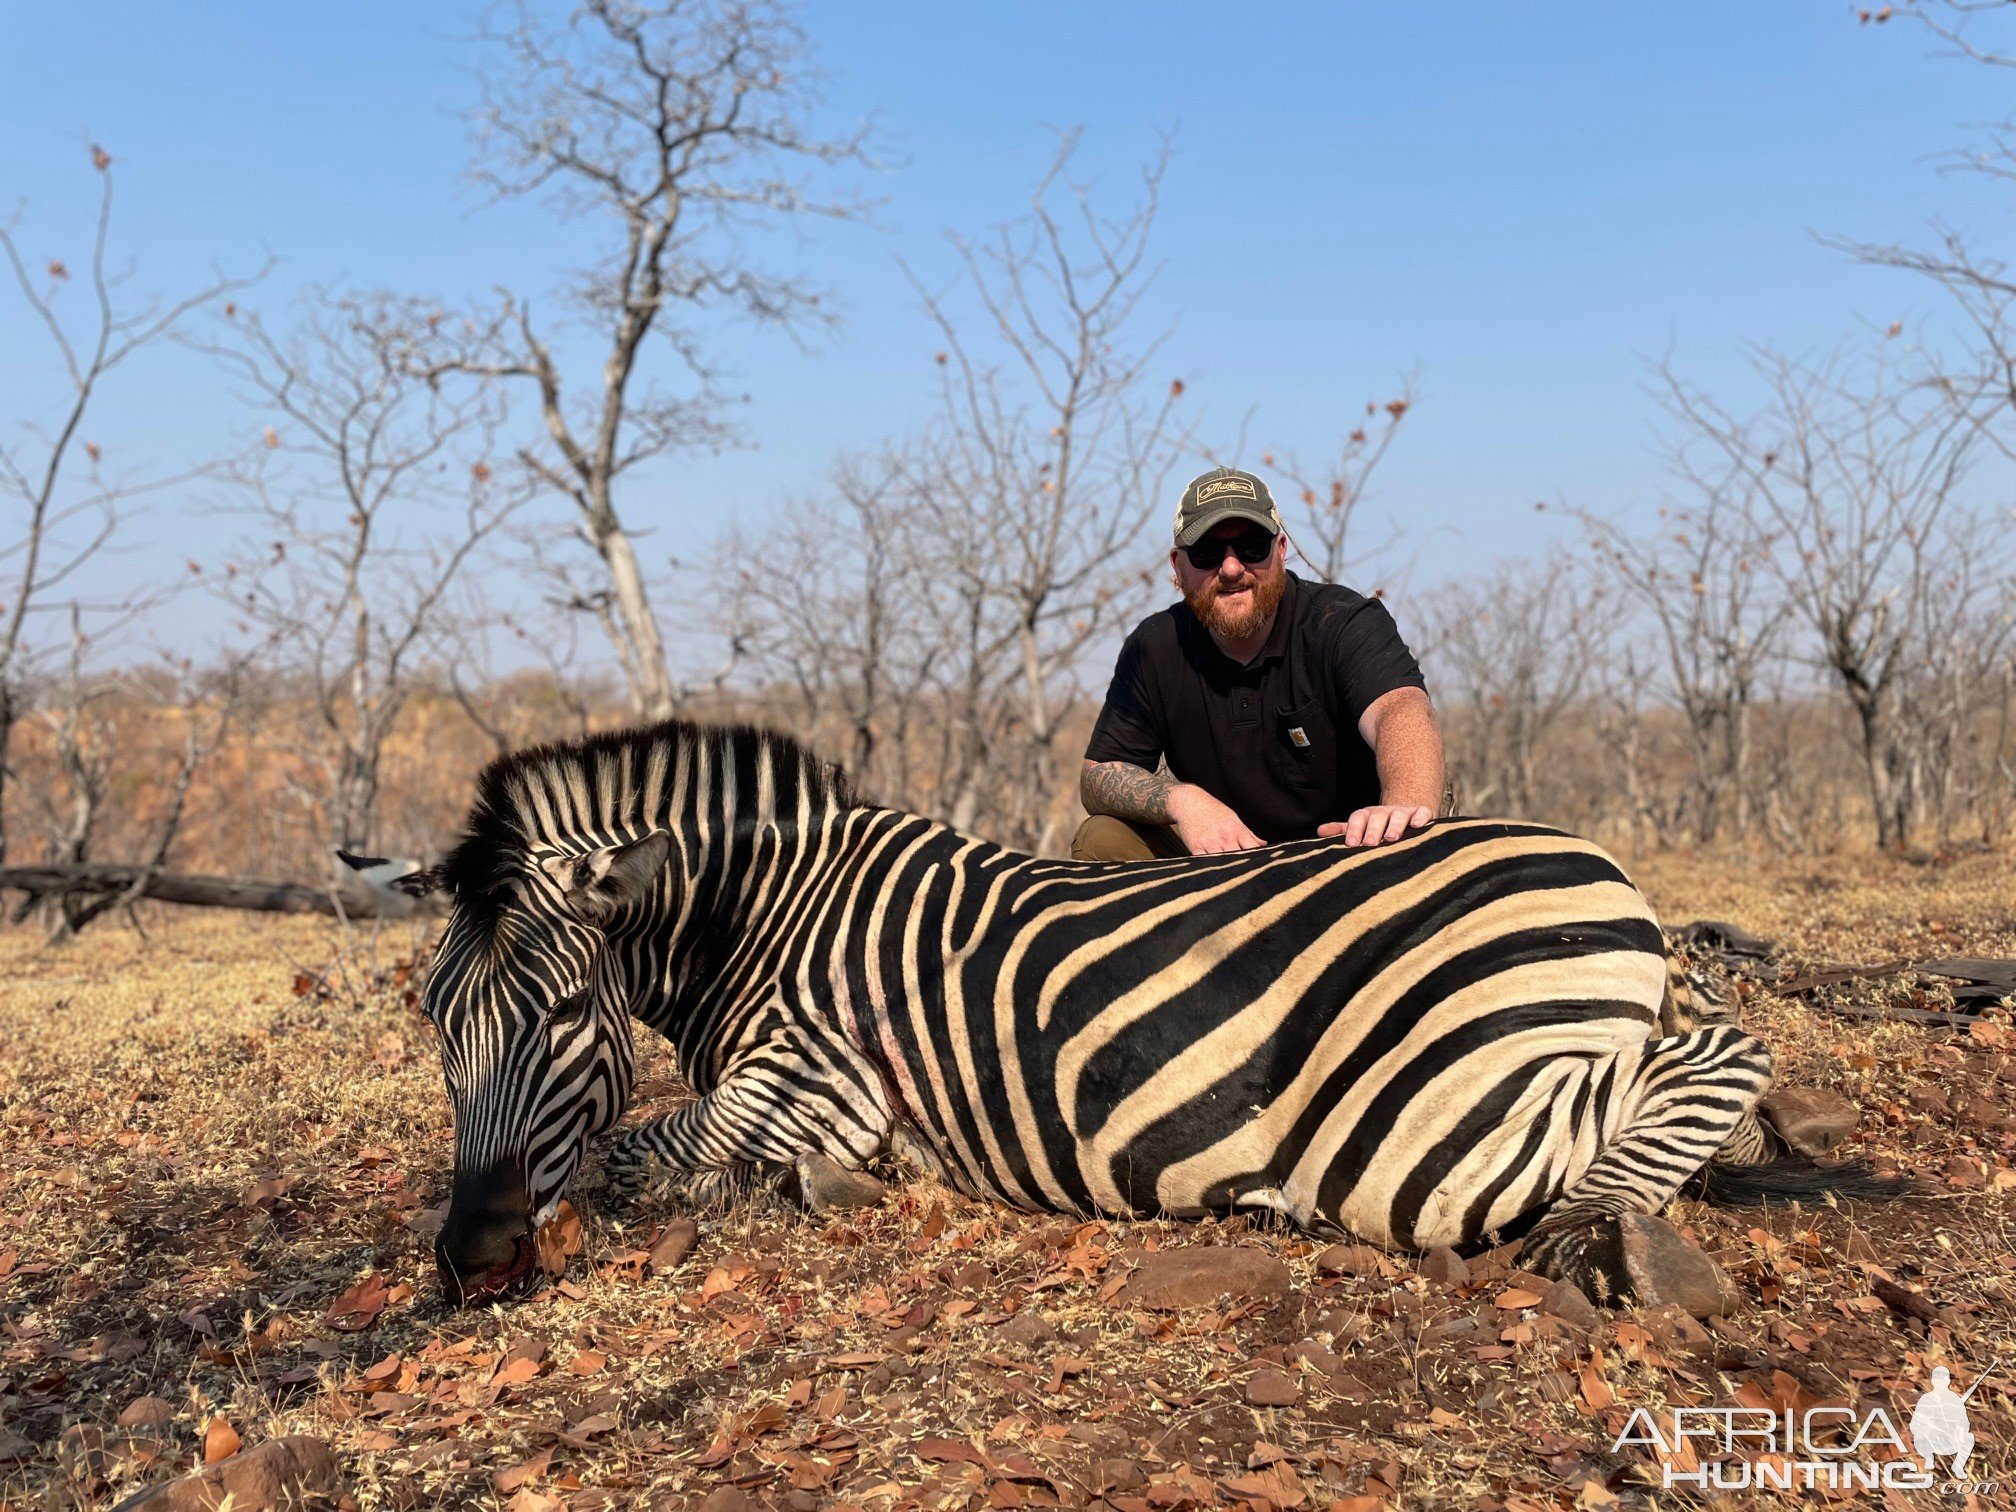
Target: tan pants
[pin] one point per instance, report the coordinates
(1104, 838)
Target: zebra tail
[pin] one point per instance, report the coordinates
(1794, 1178)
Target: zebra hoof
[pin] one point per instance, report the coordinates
(825, 1186)
(1810, 1120)
(1665, 1269)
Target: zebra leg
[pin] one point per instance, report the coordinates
(1685, 1101)
(809, 1114)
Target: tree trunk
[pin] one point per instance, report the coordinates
(650, 680)
(6, 740)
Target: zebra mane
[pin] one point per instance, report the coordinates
(547, 792)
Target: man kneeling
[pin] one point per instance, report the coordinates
(1282, 708)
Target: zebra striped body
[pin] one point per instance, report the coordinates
(1420, 1044)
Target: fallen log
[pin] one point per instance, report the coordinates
(101, 878)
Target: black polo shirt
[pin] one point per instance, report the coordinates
(1276, 739)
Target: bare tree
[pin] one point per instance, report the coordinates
(835, 612)
(1051, 454)
(85, 728)
(1954, 694)
(1704, 580)
(677, 127)
(1325, 505)
(370, 491)
(1514, 650)
(62, 522)
(1856, 474)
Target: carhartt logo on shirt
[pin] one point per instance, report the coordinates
(1297, 739)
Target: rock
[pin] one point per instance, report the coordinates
(1349, 1260)
(1200, 1275)
(674, 1243)
(1558, 1385)
(1315, 1356)
(1964, 1171)
(1810, 1119)
(974, 1276)
(1444, 1267)
(147, 1412)
(1664, 1268)
(1117, 1475)
(1977, 1112)
(1444, 1329)
(1108, 1437)
(1565, 1300)
(280, 1473)
(1272, 1388)
(1030, 1330)
(83, 1449)
(1929, 1100)
(1675, 1327)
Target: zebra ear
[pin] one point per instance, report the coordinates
(602, 881)
(378, 872)
(419, 884)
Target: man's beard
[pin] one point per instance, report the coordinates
(1230, 623)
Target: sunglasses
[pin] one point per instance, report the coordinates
(1251, 547)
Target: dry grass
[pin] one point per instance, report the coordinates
(199, 1157)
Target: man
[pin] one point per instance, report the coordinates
(1283, 708)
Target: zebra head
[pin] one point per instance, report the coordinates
(531, 992)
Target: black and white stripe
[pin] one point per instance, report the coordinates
(1421, 1044)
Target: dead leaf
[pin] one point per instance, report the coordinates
(1596, 1391)
(523, 1473)
(1517, 1297)
(580, 1433)
(220, 1441)
(587, 1362)
(945, 1451)
(515, 1372)
(559, 1239)
(358, 1308)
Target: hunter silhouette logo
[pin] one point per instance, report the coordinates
(1939, 1426)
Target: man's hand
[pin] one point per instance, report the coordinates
(1206, 826)
(1381, 824)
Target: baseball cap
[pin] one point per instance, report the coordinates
(1222, 494)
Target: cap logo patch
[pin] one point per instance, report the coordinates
(1219, 488)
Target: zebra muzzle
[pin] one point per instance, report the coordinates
(490, 1285)
(486, 1247)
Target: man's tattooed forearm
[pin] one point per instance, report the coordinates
(1126, 791)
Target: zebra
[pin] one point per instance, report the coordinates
(1452, 1039)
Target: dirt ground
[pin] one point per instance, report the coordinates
(222, 1146)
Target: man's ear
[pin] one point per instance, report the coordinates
(604, 880)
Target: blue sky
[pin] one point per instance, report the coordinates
(1525, 204)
